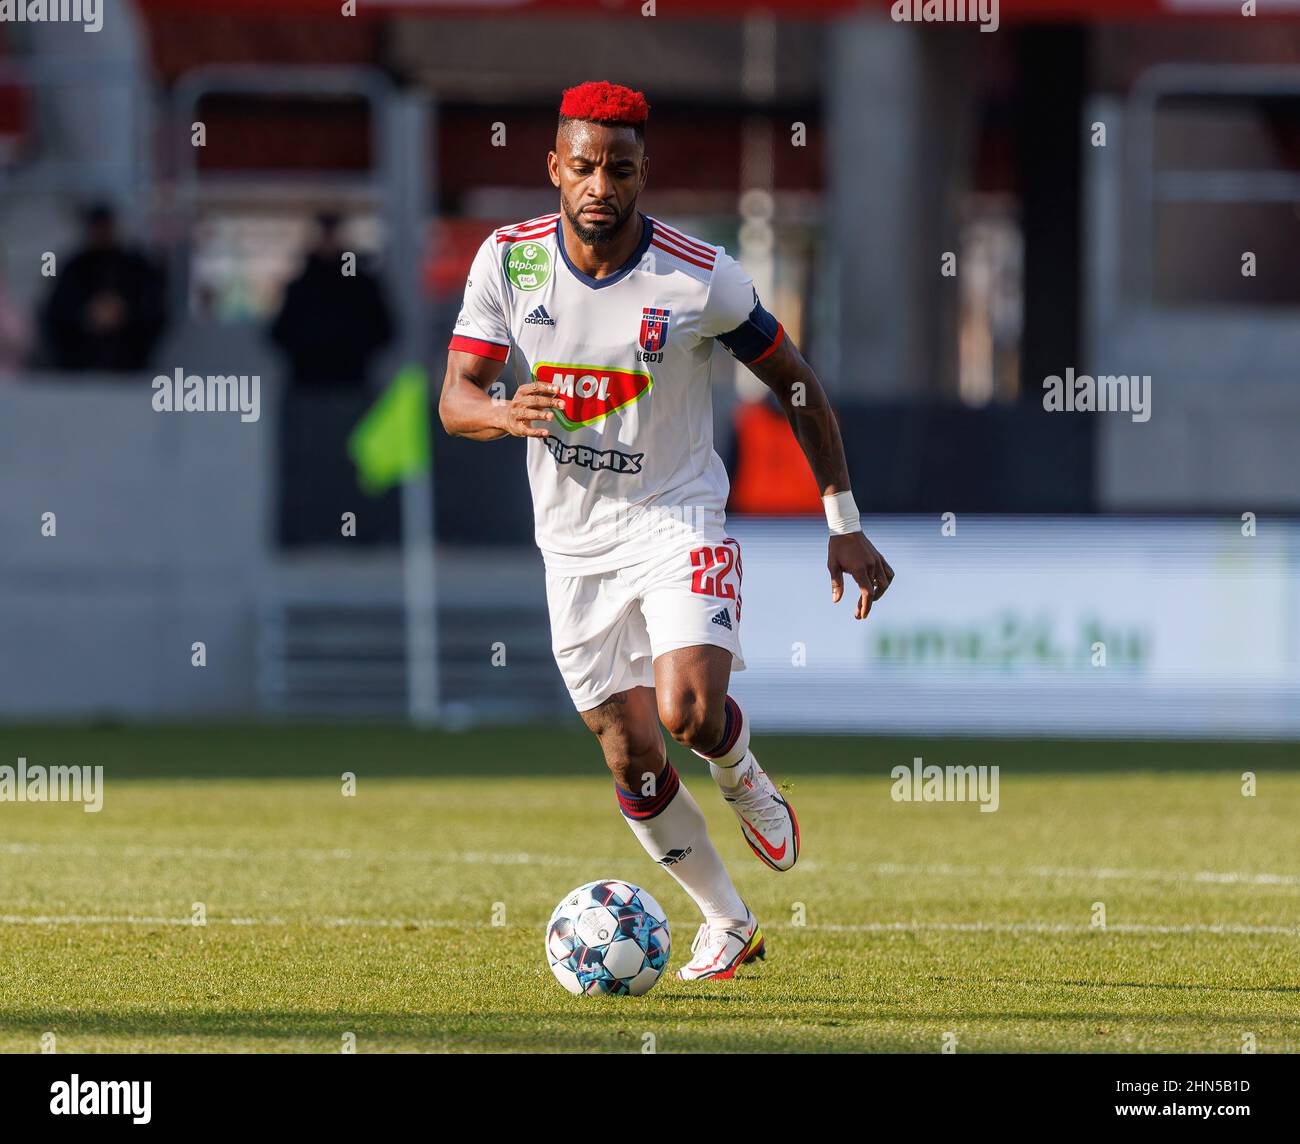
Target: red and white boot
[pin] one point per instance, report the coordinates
(720, 952)
(766, 820)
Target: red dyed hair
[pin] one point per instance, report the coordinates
(601, 102)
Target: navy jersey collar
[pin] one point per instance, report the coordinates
(647, 234)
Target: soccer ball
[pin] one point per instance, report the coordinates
(608, 937)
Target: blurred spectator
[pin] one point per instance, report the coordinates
(331, 324)
(15, 335)
(108, 308)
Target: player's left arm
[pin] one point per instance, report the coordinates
(785, 372)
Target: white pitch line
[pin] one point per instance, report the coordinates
(145, 920)
(864, 927)
(521, 858)
(1102, 873)
(246, 854)
(1053, 927)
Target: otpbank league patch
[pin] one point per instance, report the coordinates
(528, 265)
(592, 392)
(654, 329)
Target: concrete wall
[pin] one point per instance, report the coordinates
(165, 537)
(1225, 382)
(160, 542)
(900, 126)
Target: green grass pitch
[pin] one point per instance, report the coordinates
(374, 915)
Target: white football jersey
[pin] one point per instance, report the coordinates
(630, 461)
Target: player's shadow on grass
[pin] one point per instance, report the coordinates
(602, 1025)
(256, 1024)
(324, 751)
(590, 1025)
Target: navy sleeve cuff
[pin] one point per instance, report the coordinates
(756, 337)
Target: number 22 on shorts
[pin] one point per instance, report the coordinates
(714, 564)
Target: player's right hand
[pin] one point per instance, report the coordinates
(533, 401)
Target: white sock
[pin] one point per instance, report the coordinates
(672, 829)
(730, 752)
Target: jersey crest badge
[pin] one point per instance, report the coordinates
(654, 329)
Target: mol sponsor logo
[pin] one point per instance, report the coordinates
(592, 392)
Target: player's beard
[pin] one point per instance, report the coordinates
(599, 234)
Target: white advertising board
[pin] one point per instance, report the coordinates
(1083, 627)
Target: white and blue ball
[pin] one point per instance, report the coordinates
(608, 937)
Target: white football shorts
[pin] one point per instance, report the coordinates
(607, 628)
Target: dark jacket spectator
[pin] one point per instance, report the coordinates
(330, 324)
(108, 306)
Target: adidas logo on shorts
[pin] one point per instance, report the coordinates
(723, 618)
(539, 317)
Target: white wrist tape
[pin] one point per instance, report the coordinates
(842, 514)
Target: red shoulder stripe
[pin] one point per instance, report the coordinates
(685, 240)
(525, 230)
(682, 255)
(708, 256)
(532, 223)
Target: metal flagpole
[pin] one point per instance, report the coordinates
(409, 140)
(418, 572)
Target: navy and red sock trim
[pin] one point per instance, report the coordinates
(730, 730)
(642, 807)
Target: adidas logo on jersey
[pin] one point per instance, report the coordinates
(539, 317)
(723, 618)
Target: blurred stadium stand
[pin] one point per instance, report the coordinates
(1120, 258)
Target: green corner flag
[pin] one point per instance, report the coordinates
(391, 442)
